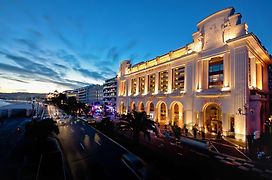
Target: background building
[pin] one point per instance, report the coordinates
(92, 94)
(110, 92)
(219, 82)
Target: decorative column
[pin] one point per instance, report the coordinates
(137, 85)
(146, 84)
(259, 76)
(128, 87)
(205, 74)
(156, 82)
(170, 80)
(200, 73)
(226, 63)
(253, 72)
(241, 96)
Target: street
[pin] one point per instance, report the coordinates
(92, 155)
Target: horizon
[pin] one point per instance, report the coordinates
(64, 46)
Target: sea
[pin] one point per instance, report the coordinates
(3, 103)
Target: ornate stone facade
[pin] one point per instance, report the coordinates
(218, 82)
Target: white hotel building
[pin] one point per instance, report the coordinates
(218, 82)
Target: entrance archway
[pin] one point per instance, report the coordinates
(132, 106)
(150, 109)
(162, 112)
(141, 107)
(177, 114)
(122, 108)
(213, 118)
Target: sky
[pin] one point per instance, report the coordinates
(49, 45)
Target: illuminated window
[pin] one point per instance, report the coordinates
(163, 112)
(163, 77)
(216, 72)
(151, 83)
(178, 78)
(142, 85)
(133, 86)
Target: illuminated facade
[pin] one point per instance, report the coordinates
(218, 82)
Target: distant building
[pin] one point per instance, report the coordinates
(71, 93)
(110, 91)
(92, 94)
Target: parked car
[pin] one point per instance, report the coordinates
(123, 126)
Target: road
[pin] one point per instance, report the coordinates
(91, 155)
(11, 132)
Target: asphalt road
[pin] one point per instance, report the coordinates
(90, 154)
(11, 132)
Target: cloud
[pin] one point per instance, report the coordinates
(70, 58)
(32, 66)
(113, 54)
(29, 43)
(92, 74)
(60, 83)
(13, 69)
(60, 66)
(55, 30)
(13, 79)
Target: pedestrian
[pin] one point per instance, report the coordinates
(186, 131)
(203, 133)
(194, 131)
(219, 134)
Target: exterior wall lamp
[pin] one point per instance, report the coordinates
(240, 110)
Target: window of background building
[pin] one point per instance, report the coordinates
(151, 83)
(142, 85)
(133, 86)
(178, 75)
(163, 77)
(216, 72)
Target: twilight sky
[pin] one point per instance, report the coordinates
(59, 44)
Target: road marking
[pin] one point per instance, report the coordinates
(72, 130)
(199, 153)
(180, 154)
(82, 146)
(214, 147)
(97, 139)
(243, 154)
(82, 129)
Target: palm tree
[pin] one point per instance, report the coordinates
(138, 122)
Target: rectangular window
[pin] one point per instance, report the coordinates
(133, 86)
(163, 79)
(178, 78)
(216, 72)
(141, 85)
(151, 83)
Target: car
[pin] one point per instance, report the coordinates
(91, 121)
(123, 126)
(135, 164)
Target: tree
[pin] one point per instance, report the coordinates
(138, 122)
